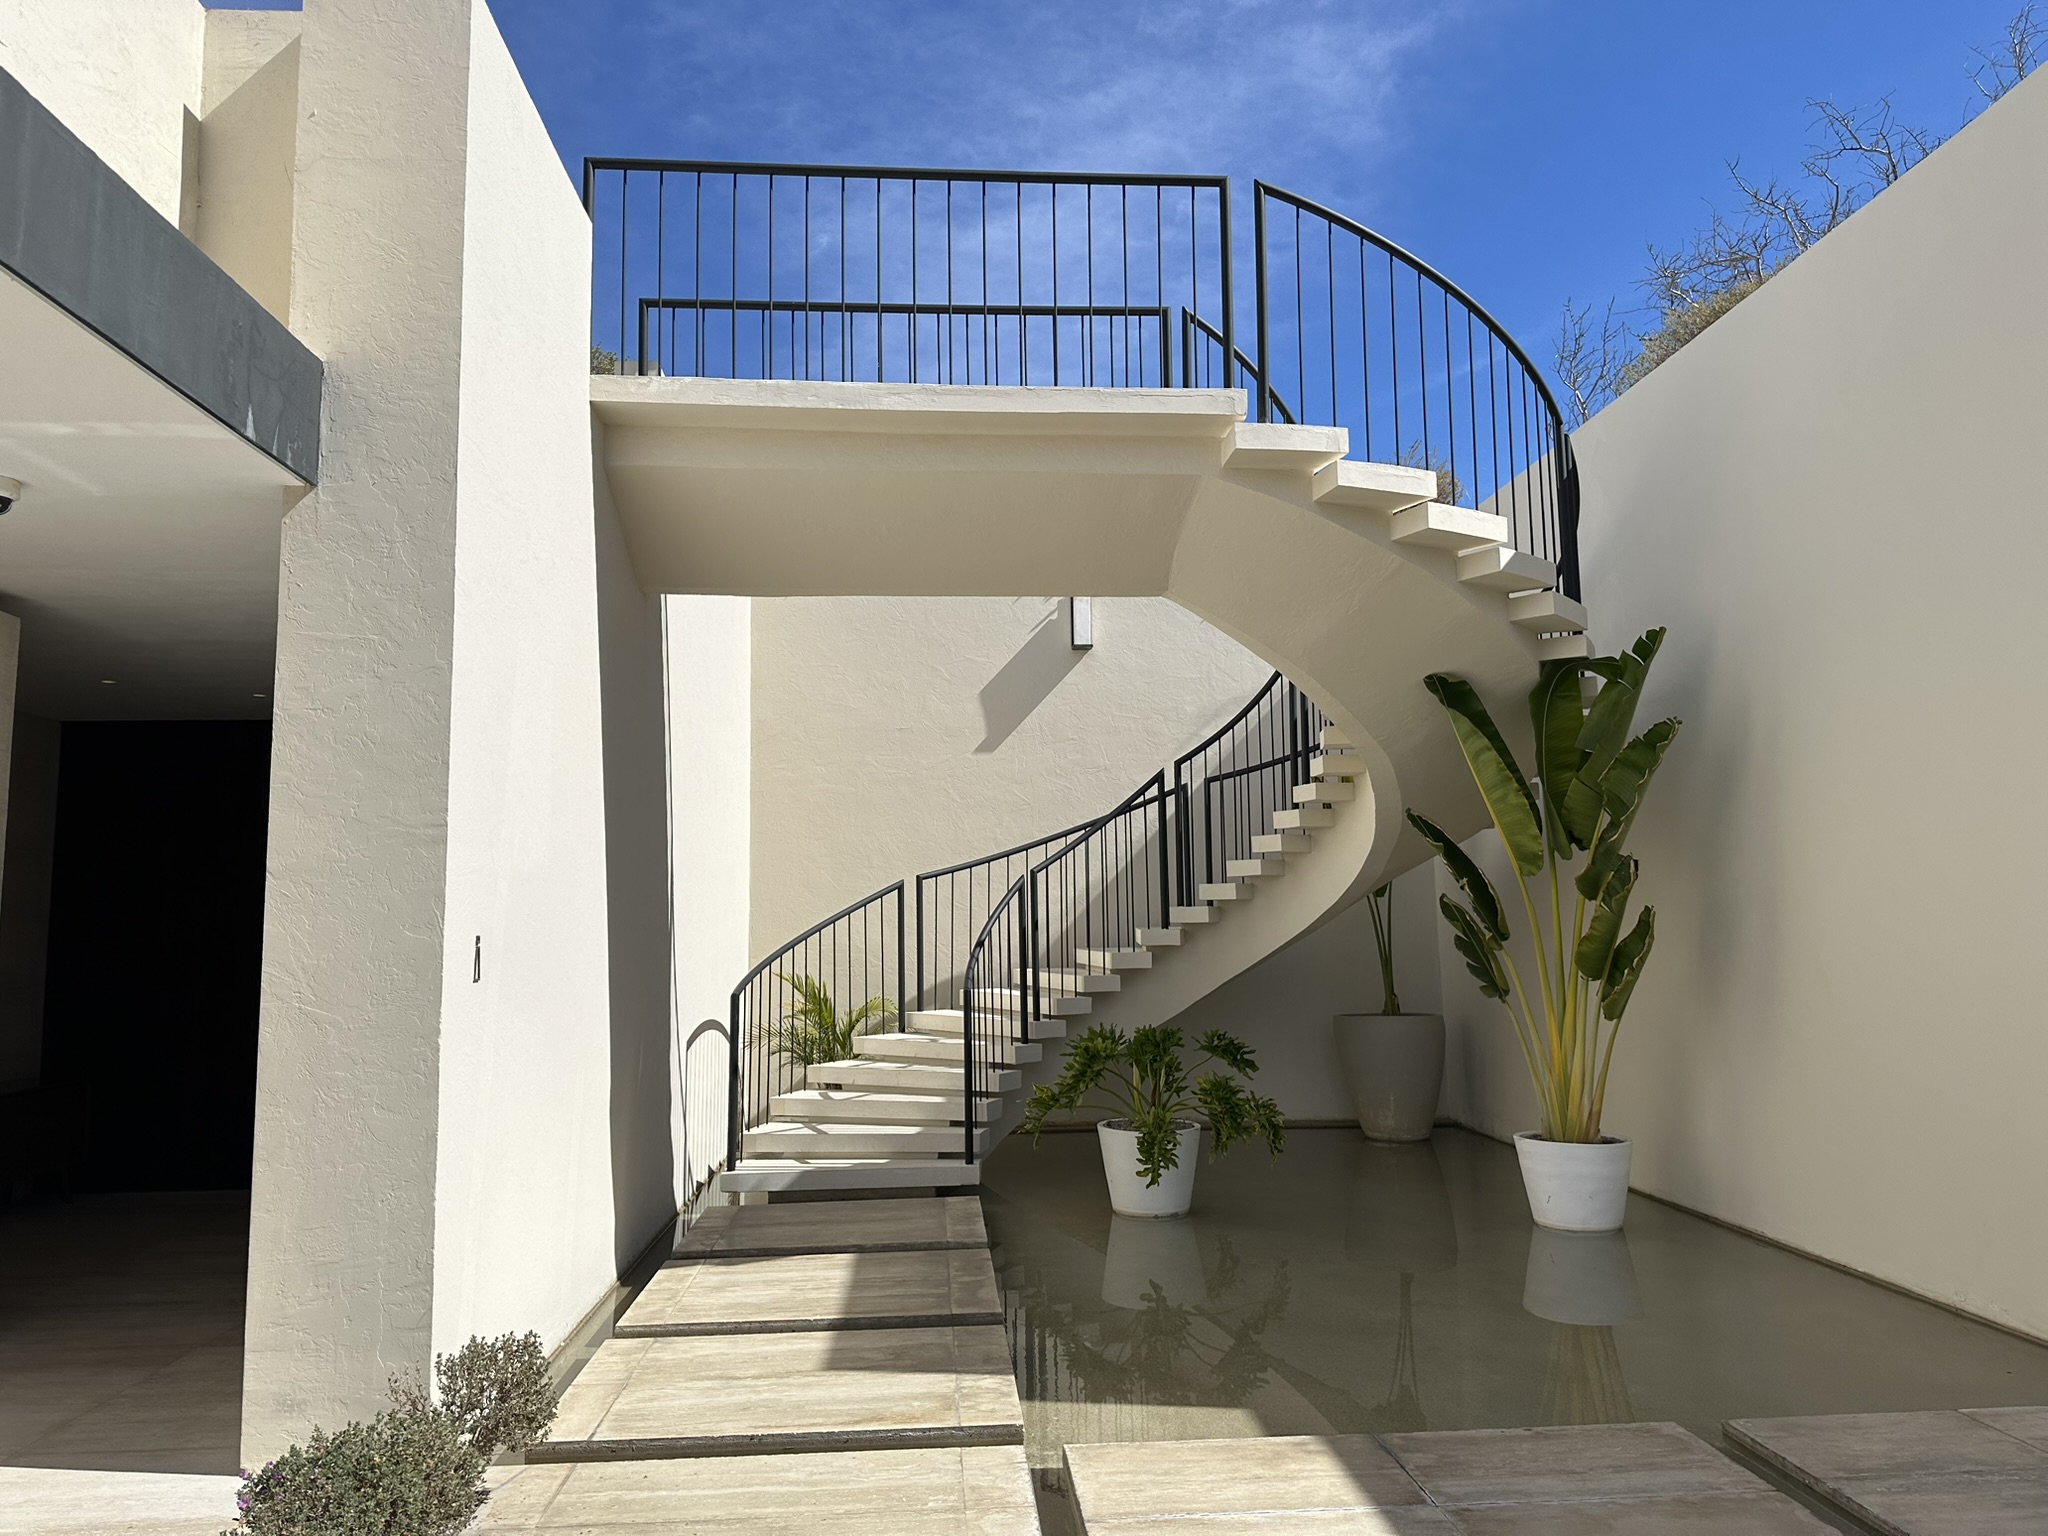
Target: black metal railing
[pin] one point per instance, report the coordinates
(898, 274)
(1374, 340)
(810, 1002)
(954, 904)
(1225, 789)
(1202, 348)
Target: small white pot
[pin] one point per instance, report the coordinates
(1575, 1186)
(1129, 1195)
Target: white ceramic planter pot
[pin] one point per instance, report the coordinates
(1394, 1066)
(1129, 1195)
(1575, 1186)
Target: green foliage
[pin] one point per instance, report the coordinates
(417, 1468)
(815, 1030)
(603, 361)
(1144, 1079)
(1590, 782)
(1381, 904)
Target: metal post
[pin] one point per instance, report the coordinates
(1229, 298)
(733, 1123)
(1265, 410)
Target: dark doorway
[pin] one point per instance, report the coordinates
(156, 945)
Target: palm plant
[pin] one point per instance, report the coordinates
(814, 1030)
(1591, 779)
(1381, 904)
(1143, 1080)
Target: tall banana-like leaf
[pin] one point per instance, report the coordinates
(1494, 769)
(1621, 795)
(1470, 877)
(1626, 968)
(1480, 949)
(1557, 715)
(1596, 946)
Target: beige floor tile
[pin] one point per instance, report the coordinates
(1834, 1448)
(1407, 1520)
(37, 1501)
(1216, 1477)
(836, 1226)
(2028, 1424)
(865, 1389)
(802, 1292)
(985, 1491)
(1950, 1503)
(1762, 1513)
(1487, 1466)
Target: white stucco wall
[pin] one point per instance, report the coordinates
(121, 74)
(892, 735)
(1833, 498)
(248, 141)
(523, 1222)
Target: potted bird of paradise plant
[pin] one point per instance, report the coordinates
(1565, 828)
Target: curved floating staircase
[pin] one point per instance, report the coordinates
(773, 427)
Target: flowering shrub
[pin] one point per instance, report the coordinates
(417, 1468)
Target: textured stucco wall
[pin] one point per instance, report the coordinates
(122, 75)
(892, 735)
(1833, 499)
(248, 139)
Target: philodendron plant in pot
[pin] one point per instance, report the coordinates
(1152, 1092)
(1393, 1061)
(1565, 828)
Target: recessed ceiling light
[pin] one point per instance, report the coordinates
(106, 680)
(259, 695)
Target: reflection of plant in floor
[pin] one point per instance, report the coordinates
(1163, 1352)
(1584, 1384)
(1400, 1409)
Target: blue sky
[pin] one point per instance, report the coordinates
(1528, 148)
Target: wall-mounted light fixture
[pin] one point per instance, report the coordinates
(1081, 623)
(10, 493)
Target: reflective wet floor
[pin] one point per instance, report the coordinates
(1350, 1287)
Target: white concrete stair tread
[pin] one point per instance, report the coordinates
(1195, 917)
(1161, 938)
(866, 1107)
(1563, 647)
(1276, 445)
(1324, 794)
(1336, 765)
(1079, 981)
(1050, 1004)
(1505, 568)
(1437, 526)
(761, 1393)
(926, 1492)
(829, 1175)
(1281, 842)
(1915, 1474)
(1225, 891)
(1547, 611)
(1255, 869)
(833, 1139)
(806, 1293)
(903, 1076)
(953, 1021)
(1382, 488)
(1116, 959)
(943, 1049)
(1303, 819)
(847, 1226)
(1331, 739)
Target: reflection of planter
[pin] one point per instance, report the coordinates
(1144, 1254)
(1575, 1186)
(1583, 1278)
(1394, 1066)
(1129, 1195)
(1397, 1212)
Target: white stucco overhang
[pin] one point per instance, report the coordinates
(144, 548)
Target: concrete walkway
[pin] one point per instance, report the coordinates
(837, 1367)
(1971, 1473)
(1605, 1480)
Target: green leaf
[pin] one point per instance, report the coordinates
(1596, 946)
(1630, 955)
(1229, 1050)
(1622, 792)
(1470, 877)
(1237, 1114)
(1480, 949)
(1508, 799)
(1556, 715)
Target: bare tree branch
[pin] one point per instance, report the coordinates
(2016, 55)
(1589, 360)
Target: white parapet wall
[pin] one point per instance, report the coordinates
(1833, 498)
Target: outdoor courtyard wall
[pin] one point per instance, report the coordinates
(124, 75)
(899, 734)
(438, 769)
(1833, 500)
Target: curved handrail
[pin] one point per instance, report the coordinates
(1191, 323)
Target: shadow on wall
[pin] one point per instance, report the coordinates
(1027, 679)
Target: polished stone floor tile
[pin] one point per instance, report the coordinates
(1125, 1481)
(836, 1226)
(46, 1501)
(1976, 1473)
(984, 1491)
(807, 1292)
(1530, 1466)
(859, 1390)
(1762, 1513)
